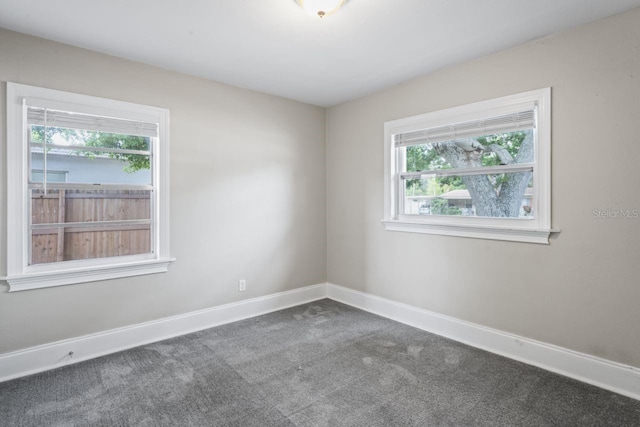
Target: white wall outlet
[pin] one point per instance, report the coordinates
(242, 285)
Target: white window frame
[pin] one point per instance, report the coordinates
(22, 276)
(532, 230)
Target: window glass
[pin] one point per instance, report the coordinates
(491, 195)
(95, 203)
(83, 224)
(479, 170)
(484, 150)
(52, 176)
(91, 157)
(474, 194)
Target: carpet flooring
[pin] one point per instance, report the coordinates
(319, 364)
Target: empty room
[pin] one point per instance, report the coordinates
(319, 213)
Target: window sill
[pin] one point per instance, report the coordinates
(29, 281)
(474, 231)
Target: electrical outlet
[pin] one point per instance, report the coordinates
(242, 285)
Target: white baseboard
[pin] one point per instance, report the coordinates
(49, 356)
(603, 373)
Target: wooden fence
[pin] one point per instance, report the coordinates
(83, 242)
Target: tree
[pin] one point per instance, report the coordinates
(498, 195)
(95, 139)
(127, 142)
(441, 207)
(422, 158)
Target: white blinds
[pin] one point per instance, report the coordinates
(66, 119)
(512, 122)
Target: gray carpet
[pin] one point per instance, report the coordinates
(320, 364)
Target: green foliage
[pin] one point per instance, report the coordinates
(135, 162)
(441, 207)
(433, 187)
(37, 133)
(126, 142)
(422, 158)
(425, 158)
(509, 141)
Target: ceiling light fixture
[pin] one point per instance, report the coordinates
(321, 8)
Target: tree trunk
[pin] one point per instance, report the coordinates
(503, 200)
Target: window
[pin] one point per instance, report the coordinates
(52, 176)
(480, 170)
(87, 188)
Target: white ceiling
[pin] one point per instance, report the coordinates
(272, 46)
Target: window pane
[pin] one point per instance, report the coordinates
(90, 168)
(84, 241)
(486, 150)
(65, 137)
(118, 163)
(52, 176)
(498, 195)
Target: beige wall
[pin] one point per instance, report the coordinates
(581, 291)
(247, 195)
